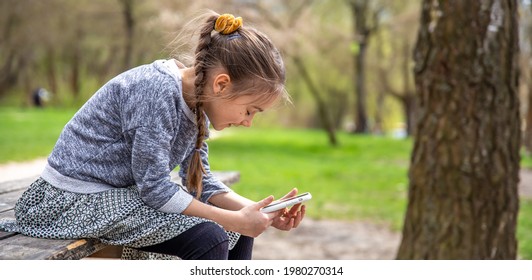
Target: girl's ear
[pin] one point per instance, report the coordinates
(221, 82)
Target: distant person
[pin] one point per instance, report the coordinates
(108, 175)
(40, 96)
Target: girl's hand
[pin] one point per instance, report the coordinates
(289, 219)
(252, 221)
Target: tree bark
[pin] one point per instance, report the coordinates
(463, 199)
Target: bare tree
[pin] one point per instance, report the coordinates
(295, 12)
(365, 23)
(405, 95)
(463, 200)
(129, 24)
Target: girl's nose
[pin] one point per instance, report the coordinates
(246, 123)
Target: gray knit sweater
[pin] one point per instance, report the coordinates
(133, 131)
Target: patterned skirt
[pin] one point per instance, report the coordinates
(115, 217)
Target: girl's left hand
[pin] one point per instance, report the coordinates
(289, 219)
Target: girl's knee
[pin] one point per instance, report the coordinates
(213, 231)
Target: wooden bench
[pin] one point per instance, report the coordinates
(16, 246)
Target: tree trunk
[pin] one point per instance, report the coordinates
(359, 10)
(129, 23)
(51, 70)
(463, 199)
(75, 65)
(361, 121)
(409, 108)
(322, 107)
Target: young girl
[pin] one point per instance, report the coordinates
(108, 175)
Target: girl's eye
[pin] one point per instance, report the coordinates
(248, 113)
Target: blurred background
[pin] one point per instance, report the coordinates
(346, 138)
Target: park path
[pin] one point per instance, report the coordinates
(313, 239)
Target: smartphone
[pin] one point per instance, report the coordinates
(283, 203)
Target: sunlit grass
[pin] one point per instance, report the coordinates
(29, 133)
(363, 178)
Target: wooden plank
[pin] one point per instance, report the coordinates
(21, 247)
(8, 200)
(4, 235)
(109, 252)
(15, 185)
(7, 214)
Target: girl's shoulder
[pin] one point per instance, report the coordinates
(148, 81)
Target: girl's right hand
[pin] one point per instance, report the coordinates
(252, 222)
(249, 221)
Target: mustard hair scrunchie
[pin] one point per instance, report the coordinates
(227, 24)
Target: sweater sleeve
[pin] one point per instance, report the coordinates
(150, 167)
(211, 184)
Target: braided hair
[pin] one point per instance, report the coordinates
(250, 59)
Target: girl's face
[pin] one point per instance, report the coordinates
(223, 112)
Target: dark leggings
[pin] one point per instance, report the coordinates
(205, 241)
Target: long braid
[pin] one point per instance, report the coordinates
(248, 57)
(195, 169)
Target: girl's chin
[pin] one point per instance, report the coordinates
(221, 127)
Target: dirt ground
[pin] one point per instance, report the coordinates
(313, 239)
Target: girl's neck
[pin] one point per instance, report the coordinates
(188, 77)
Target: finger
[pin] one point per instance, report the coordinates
(294, 209)
(282, 212)
(298, 219)
(291, 193)
(264, 202)
(303, 211)
(272, 215)
(290, 224)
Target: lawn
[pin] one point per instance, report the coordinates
(29, 133)
(365, 178)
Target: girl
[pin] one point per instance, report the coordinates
(108, 175)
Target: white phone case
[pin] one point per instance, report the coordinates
(286, 203)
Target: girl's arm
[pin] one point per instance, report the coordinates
(230, 201)
(248, 220)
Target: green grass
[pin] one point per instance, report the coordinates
(29, 133)
(524, 230)
(363, 179)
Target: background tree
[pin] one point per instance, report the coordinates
(365, 23)
(298, 15)
(393, 62)
(463, 199)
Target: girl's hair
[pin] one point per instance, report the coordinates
(252, 62)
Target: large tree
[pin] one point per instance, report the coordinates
(463, 199)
